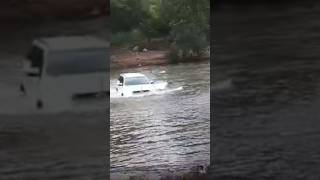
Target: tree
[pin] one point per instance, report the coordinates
(154, 25)
(127, 14)
(189, 23)
(190, 40)
(186, 22)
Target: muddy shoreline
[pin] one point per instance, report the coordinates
(122, 58)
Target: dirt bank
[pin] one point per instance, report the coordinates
(123, 58)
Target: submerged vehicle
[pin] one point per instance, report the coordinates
(65, 67)
(129, 84)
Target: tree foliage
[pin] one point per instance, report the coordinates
(189, 23)
(126, 14)
(178, 12)
(186, 22)
(189, 39)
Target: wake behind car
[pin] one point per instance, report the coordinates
(64, 67)
(129, 84)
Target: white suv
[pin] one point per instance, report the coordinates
(135, 83)
(64, 67)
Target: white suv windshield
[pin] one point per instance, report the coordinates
(77, 61)
(136, 81)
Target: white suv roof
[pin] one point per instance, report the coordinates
(72, 42)
(127, 75)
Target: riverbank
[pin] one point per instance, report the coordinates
(48, 9)
(122, 58)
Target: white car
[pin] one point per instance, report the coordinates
(136, 83)
(64, 67)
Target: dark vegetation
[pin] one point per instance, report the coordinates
(181, 25)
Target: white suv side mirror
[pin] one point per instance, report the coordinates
(118, 83)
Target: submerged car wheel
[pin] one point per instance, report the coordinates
(39, 104)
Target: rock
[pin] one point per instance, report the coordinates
(135, 49)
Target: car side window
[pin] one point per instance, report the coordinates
(121, 79)
(36, 58)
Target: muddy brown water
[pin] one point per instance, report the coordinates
(61, 146)
(162, 133)
(45, 144)
(48, 145)
(267, 125)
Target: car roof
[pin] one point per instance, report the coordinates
(71, 42)
(127, 75)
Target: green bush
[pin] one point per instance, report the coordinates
(138, 22)
(126, 14)
(190, 39)
(131, 38)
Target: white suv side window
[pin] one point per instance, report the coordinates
(121, 79)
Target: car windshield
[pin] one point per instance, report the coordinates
(136, 81)
(77, 61)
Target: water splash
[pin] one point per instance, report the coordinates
(115, 94)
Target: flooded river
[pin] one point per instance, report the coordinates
(48, 144)
(163, 132)
(266, 126)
